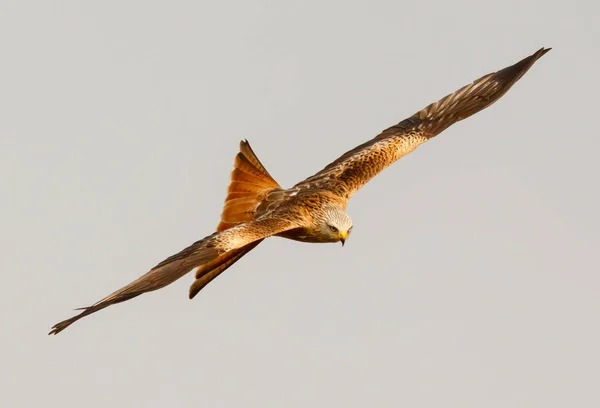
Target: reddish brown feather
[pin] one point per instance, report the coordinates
(243, 175)
(206, 273)
(250, 183)
(244, 187)
(238, 194)
(248, 153)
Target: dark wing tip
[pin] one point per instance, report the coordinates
(158, 277)
(86, 311)
(514, 72)
(58, 327)
(471, 98)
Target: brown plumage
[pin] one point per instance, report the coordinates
(250, 183)
(314, 210)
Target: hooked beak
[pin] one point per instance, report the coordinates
(343, 236)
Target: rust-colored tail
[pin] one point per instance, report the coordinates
(250, 182)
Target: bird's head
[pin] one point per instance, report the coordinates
(336, 224)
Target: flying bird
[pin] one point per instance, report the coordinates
(314, 210)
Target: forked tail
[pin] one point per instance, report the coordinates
(250, 182)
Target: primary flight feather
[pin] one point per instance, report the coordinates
(314, 210)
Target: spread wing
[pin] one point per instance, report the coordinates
(357, 166)
(197, 254)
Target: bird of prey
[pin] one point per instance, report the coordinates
(314, 210)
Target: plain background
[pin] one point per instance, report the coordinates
(471, 278)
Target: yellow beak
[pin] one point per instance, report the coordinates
(343, 236)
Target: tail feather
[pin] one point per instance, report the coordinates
(240, 201)
(206, 273)
(238, 194)
(249, 155)
(250, 183)
(239, 205)
(245, 175)
(251, 189)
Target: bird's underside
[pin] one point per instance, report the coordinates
(256, 207)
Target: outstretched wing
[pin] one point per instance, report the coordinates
(357, 166)
(197, 254)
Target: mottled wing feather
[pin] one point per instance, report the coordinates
(158, 277)
(354, 168)
(197, 254)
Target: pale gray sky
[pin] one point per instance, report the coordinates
(471, 278)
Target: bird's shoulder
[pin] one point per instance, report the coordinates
(297, 201)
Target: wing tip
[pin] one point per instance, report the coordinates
(514, 72)
(539, 53)
(58, 327)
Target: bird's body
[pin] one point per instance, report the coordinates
(314, 210)
(321, 211)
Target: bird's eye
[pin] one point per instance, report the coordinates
(350, 230)
(334, 229)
